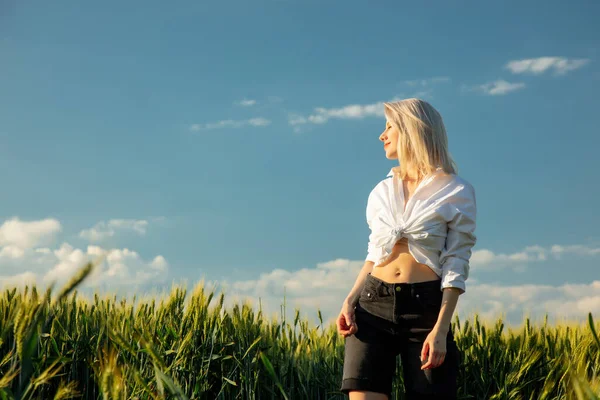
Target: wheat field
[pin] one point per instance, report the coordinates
(192, 347)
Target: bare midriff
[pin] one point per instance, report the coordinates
(400, 267)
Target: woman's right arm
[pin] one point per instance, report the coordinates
(352, 297)
(345, 322)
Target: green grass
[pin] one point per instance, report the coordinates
(192, 347)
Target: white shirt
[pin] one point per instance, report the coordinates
(438, 222)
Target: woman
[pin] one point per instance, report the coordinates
(422, 221)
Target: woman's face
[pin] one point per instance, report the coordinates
(389, 137)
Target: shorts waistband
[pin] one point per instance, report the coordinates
(436, 283)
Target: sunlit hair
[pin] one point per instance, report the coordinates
(422, 141)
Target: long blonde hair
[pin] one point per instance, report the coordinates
(422, 141)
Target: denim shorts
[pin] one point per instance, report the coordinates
(394, 319)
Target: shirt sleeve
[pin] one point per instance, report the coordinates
(460, 239)
(374, 253)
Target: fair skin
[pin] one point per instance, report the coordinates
(400, 267)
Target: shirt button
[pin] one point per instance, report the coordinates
(398, 288)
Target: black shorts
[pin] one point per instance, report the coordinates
(392, 319)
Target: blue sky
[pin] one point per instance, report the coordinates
(238, 141)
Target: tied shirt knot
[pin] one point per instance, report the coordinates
(388, 239)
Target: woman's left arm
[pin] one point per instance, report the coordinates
(435, 344)
(449, 300)
(454, 261)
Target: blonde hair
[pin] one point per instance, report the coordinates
(422, 141)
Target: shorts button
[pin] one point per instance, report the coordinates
(398, 288)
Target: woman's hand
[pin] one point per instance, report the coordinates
(434, 349)
(346, 324)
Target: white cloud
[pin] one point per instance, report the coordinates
(488, 260)
(11, 252)
(19, 280)
(103, 230)
(120, 268)
(322, 115)
(246, 103)
(497, 88)
(259, 121)
(326, 286)
(229, 123)
(309, 289)
(28, 233)
(580, 250)
(560, 65)
(513, 303)
(352, 111)
(23, 261)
